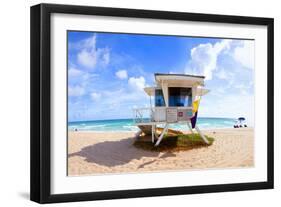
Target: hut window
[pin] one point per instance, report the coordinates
(159, 98)
(180, 96)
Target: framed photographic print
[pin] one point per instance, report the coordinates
(132, 103)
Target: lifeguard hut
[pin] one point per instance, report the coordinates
(176, 100)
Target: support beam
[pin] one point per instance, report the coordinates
(155, 133)
(201, 135)
(165, 91)
(190, 129)
(162, 135)
(152, 133)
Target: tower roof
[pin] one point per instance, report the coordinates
(179, 80)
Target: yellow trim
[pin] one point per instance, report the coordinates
(195, 106)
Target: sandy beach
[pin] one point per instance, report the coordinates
(109, 152)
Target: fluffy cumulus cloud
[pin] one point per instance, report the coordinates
(76, 91)
(137, 83)
(244, 53)
(90, 56)
(87, 58)
(225, 64)
(204, 58)
(121, 74)
(224, 74)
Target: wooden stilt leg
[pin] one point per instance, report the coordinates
(190, 129)
(161, 136)
(155, 133)
(202, 135)
(152, 133)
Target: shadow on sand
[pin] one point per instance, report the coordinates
(119, 152)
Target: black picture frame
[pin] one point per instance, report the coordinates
(41, 98)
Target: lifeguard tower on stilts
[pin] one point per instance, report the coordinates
(176, 100)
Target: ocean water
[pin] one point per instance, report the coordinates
(125, 125)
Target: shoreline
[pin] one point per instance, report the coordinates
(113, 132)
(96, 153)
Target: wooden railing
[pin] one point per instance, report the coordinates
(153, 114)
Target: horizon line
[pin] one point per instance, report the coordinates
(133, 118)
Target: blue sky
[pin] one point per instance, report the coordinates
(107, 72)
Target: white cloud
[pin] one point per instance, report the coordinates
(137, 83)
(245, 53)
(73, 72)
(204, 58)
(122, 99)
(85, 43)
(87, 58)
(90, 56)
(105, 56)
(95, 96)
(89, 42)
(122, 74)
(224, 74)
(79, 77)
(76, 91)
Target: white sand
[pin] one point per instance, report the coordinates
(95, 153)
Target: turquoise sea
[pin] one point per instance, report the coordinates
(129, 125)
